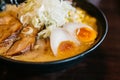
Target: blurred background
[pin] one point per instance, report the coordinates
(102, 64)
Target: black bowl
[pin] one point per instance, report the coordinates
(68, 62)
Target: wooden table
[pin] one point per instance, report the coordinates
(102, 64)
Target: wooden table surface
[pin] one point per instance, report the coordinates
(102, 64)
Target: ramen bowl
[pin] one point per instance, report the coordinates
(62, 64)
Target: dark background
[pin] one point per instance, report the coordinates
(102, 64)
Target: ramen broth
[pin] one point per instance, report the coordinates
(40, 50)
(43, 55)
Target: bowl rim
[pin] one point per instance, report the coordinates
(72, 57)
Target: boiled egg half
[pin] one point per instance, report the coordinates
(82, 32)
(62, 42)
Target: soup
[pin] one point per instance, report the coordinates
(38, 31)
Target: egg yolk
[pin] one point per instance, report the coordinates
(67, 47)
(86, 34)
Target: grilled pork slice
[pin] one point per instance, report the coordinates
(6, 44)
(25, 43)
(8, 26)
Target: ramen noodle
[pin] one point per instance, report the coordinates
(45, 30)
